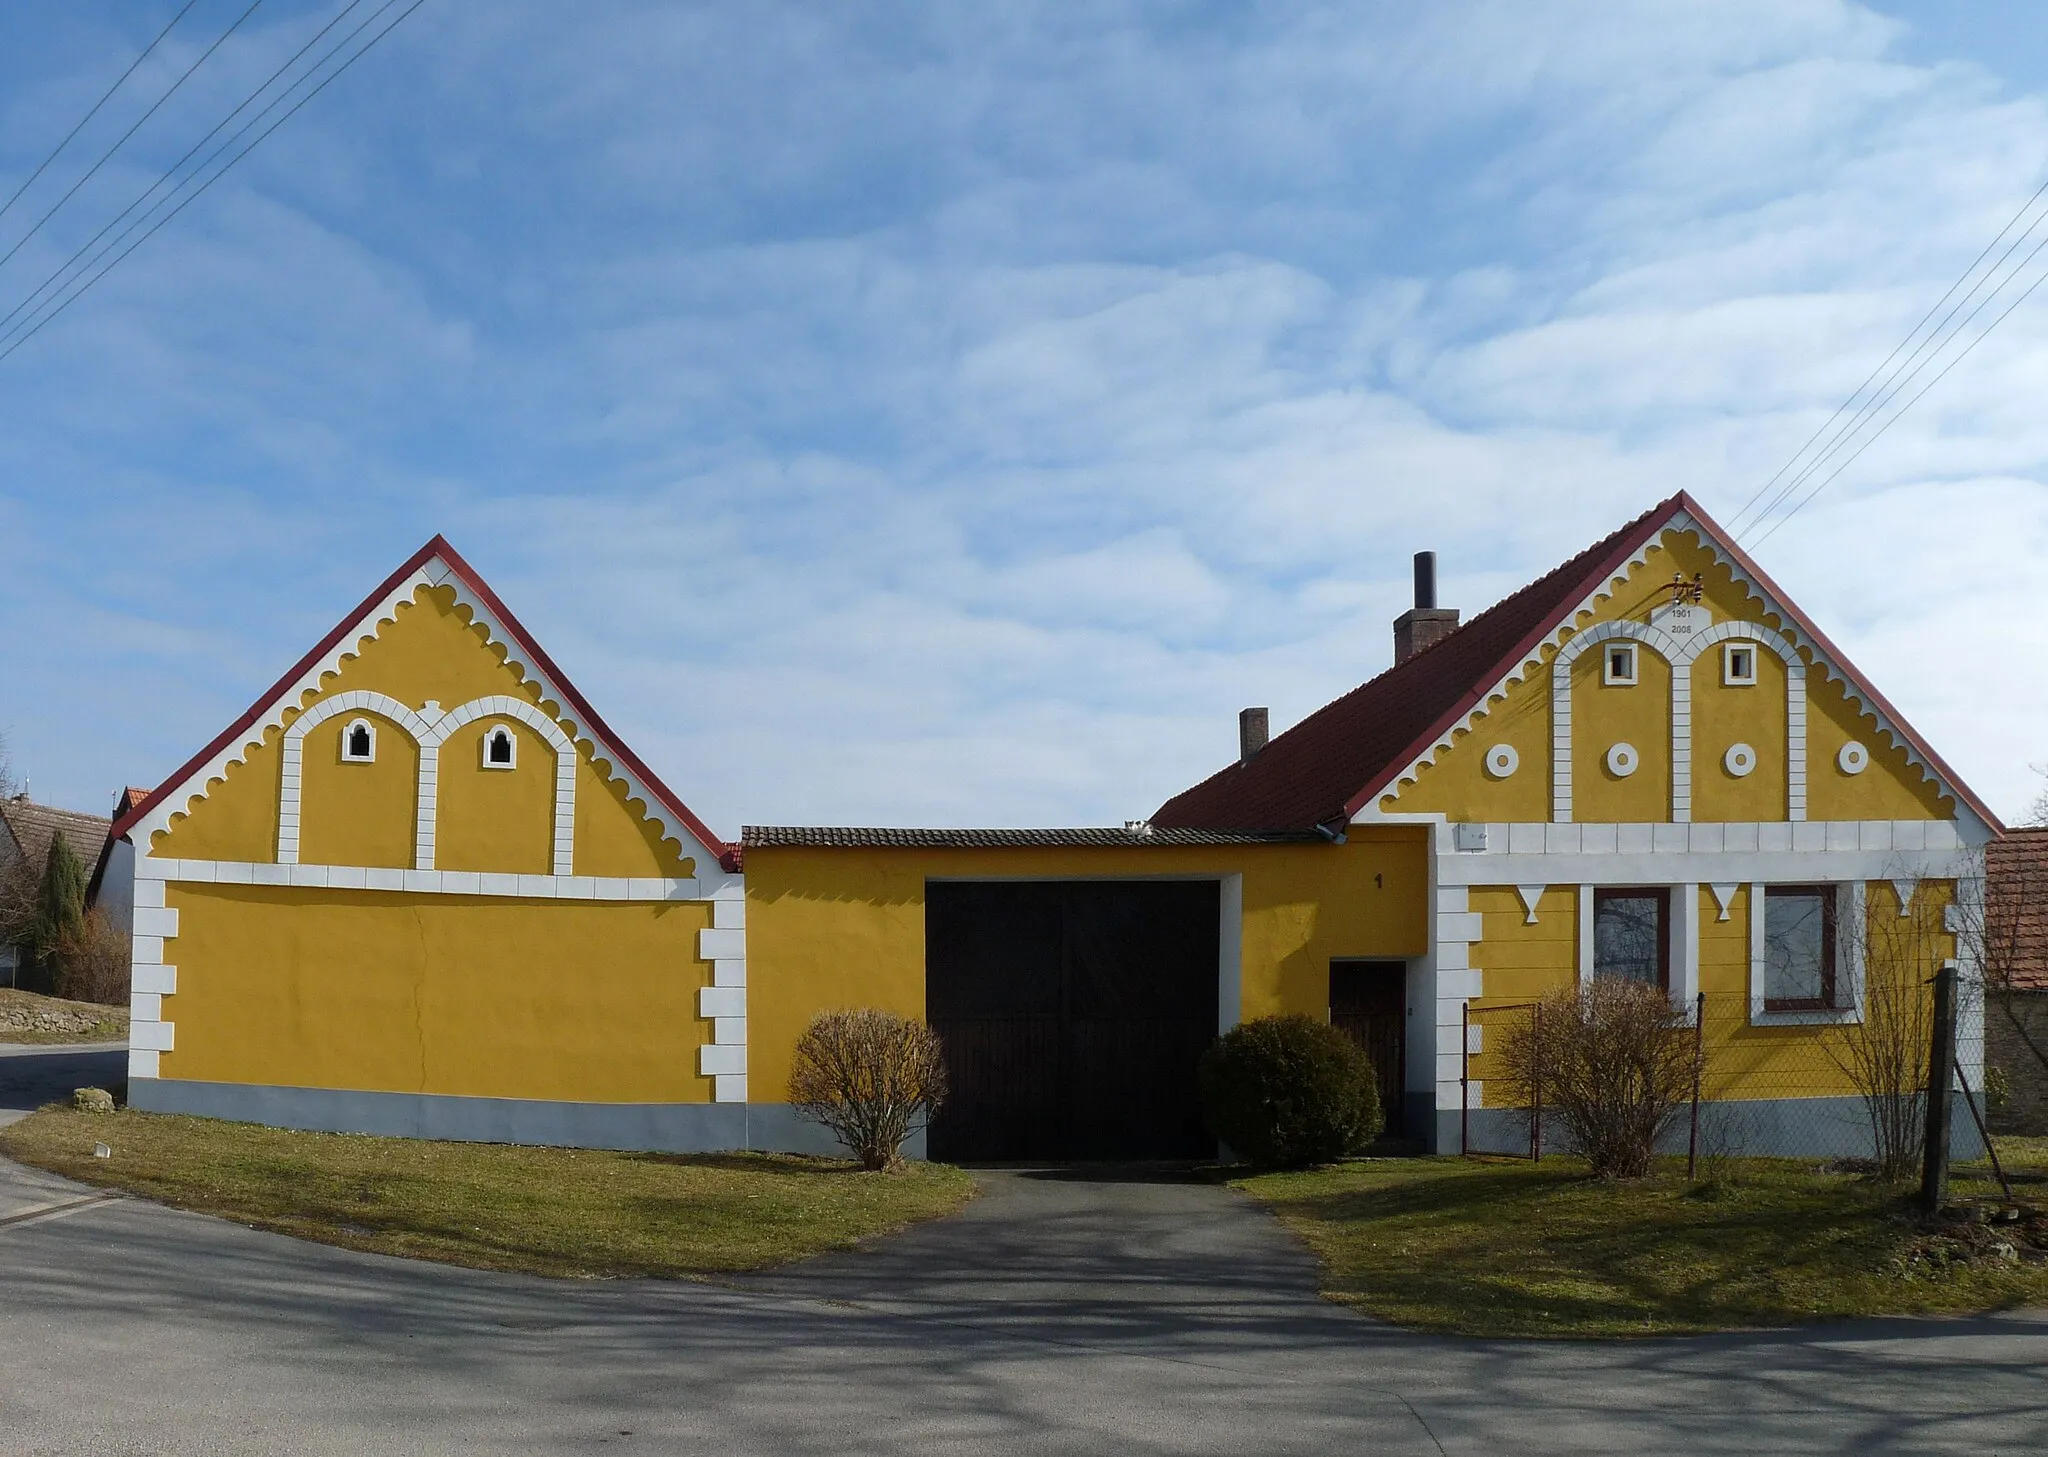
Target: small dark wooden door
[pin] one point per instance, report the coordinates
(1072, 1015)
(1369, 1000)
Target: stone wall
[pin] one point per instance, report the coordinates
(2026, 1106)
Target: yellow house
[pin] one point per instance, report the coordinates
(1647, 763)
(421, 888)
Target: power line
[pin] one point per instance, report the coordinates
(172, 170)
(104, 156)
(2038, 281)
(1930, 349)
(107, 96)
(23, 336)
(1880, 397)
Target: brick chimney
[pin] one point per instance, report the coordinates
(1425, 622)
(1252, 732)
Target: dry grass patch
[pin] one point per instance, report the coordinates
(28, 1017)
(548, 1211)
(1509, 1248)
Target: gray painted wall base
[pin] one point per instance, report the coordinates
(1763, 1128)
(652, 1127)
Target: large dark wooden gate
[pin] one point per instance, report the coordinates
(1369, 1000)
(1073, 1014)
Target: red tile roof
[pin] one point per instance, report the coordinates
(1347, 753)
(2016, 910)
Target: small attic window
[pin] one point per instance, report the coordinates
(1738, 664)
(501, 750)
(359, 742)
(1618, 665)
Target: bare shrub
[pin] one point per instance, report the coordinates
(1615, 1062)
(91, 962)
(1884, 1055)
(872, 1077)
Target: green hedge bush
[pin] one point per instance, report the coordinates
(1286, 1092)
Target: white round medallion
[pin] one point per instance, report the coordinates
(1739, 760)
(1502, 760)
(1622, 760)
(1853, 759)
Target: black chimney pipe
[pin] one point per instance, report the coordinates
(1425, 580)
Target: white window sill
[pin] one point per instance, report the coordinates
(1813, 1017)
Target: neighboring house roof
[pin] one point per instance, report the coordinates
(125, 803)
(441, 563)
(2016, 908)
(1348, 753)
(768, 837)
(30, 828)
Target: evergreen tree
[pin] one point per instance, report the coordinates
(61, 909)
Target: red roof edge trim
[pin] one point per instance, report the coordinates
(588, 719)
(1648, 525)
(1840, 661)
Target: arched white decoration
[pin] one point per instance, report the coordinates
(499, 705)
(359, 742)
(1740, 760)
(499, 748)
(429, 734)
(1622, 760)
(293, 754)
(1502, 760)
(1853, 758)
(1681, 656)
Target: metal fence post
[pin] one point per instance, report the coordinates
(1941, 1076)
(1699, 1054)
(1465, 1079)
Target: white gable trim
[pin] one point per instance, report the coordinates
(284, 704)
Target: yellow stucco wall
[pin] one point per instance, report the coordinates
(430, 651)
(354, 813)
(1524, 963)
(1724, 715)
(496, 819)
(844, 928)
(1456, 783)
(472, 995)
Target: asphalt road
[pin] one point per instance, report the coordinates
(1060, 1313)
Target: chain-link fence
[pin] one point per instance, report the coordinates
(1728, 1075)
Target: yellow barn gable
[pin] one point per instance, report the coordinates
(421, 887)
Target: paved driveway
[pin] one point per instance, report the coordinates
(1121, 1312)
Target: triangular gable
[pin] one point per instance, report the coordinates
(1340, 760)
(433, 565)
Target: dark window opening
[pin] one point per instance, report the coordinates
(501, 747)
(1799, 948)
(359, 741)
(1631, 935)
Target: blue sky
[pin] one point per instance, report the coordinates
(954, 414)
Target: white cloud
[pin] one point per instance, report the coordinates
(957, 414)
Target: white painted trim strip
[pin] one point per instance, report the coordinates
(422, 882)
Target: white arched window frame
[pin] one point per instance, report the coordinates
(292, 772)
(359, 742)
(1680, 653)
(499, 747)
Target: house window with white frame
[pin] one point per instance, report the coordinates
(1738, 664)
(1800, 960)
(1618, 665)
(1632, 935)
(500, 749)
(359, 742)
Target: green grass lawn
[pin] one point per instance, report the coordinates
(1496, 1247)
(89, 1021)
(550, 1211)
